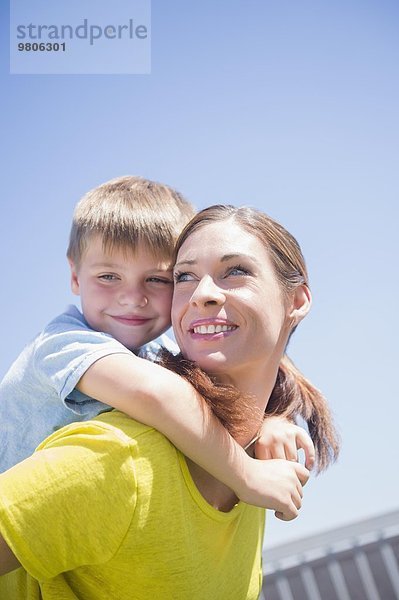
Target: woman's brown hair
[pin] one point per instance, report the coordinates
(293, 395)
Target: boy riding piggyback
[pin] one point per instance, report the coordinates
(88, 361)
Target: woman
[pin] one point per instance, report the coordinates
(109, 508)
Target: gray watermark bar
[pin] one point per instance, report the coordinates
(80, 37)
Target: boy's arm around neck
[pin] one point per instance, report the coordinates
(161, 399)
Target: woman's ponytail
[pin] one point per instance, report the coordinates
(293, 395)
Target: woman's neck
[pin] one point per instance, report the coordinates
(255, 384)
(216, 493)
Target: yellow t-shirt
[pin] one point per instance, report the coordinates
(107, 510)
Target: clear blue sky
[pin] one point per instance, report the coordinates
(289, 106)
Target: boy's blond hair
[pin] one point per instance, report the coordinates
(128, 211)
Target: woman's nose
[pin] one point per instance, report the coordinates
(207, 292)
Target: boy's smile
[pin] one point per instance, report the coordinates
(124, 293)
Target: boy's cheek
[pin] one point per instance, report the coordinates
(165, 303)
(166, 318)
(166, 310)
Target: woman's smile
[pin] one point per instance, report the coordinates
(211, 328)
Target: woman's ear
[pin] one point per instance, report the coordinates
(74, 278)
(301, 303)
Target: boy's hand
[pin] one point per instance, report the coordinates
(280, 438)
(283, 480)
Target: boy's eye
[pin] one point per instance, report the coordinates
(179, 277)
(163, 280)
(108, 277)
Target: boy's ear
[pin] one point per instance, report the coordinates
(74, 278)
(301, 303)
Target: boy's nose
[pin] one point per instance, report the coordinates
(133, 297)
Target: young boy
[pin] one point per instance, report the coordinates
(120, 250)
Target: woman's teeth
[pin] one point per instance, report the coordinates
(213, 328)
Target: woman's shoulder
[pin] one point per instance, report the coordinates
(122, 425)
(110, 427)
(129, 430)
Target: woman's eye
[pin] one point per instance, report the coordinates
(238, 270)
(179, 277)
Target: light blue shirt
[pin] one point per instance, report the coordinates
(38, 395)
